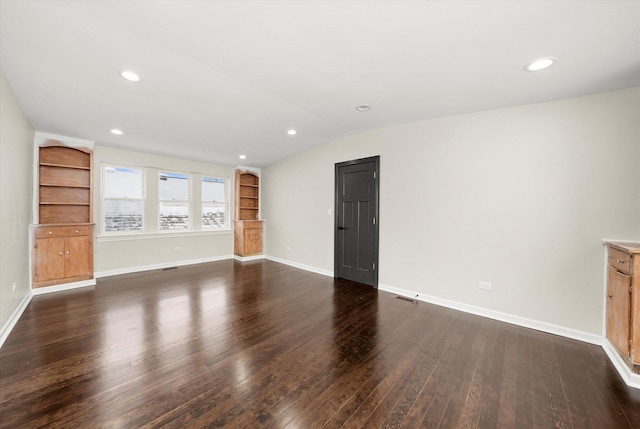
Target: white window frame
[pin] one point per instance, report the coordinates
(188, 202)
(104, 198)
(225, 204)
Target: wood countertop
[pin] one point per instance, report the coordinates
(625, 246)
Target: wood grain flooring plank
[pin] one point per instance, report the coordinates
(507, 400)
(614, 413)
(548, 402)
(580, 390)
(431, 403)
(480, 385)
(395, 369)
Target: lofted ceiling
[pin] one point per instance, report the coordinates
(224, 78)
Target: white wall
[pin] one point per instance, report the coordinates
(520, 197)
(16, 178)
(124, 253)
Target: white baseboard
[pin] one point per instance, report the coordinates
(65, 286)
(631, 379)
(497, 315)
(160, 266)
(6, 329)
(301, 266)
(248, 258)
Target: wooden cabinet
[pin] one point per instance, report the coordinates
(248, 236)
(623, 300)
(63, 238)
(62, 254)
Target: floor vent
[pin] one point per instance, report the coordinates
(404, 298)
(170, 268)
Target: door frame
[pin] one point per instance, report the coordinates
(376, 229)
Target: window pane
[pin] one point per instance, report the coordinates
(214, 215)
(174, 216)
(174, 187)
(213, 190)
(122, 182)
(122, 215)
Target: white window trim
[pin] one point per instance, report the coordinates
(104, 166)
(188, 201)
(227, 223)
(137, 235)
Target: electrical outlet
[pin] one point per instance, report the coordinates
(14, 286)
(485, 285)
(177, 248)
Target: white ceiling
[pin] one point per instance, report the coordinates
(224, 78)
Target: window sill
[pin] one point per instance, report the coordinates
(103, 238)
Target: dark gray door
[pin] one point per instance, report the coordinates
(356, 222)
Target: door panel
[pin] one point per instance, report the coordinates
(250, 241)
(346, 237)
(618, 309)
(364, 234)
(356, 235)
(50, 257)
(77, 257)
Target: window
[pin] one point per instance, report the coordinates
(133, 206)
(214, 203)
(123, 199)
(173, 194)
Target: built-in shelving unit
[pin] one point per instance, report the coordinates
(63, 236)
(248, 229)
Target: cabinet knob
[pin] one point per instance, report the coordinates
(76, 231)
(619, 261)
(609, 295)
(59, 253)
(50, 232)
(67, 252)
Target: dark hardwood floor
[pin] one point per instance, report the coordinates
(261, 344)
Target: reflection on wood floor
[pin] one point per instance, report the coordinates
(261, 344)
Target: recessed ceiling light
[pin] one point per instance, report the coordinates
(292, 132)
(116, 132)
(130, 75)
(540, 64)
(363, 108)
(243, 157)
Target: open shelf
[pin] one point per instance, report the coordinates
(247, 196)
(77, 167)
(64, 185)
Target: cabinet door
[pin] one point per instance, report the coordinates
(49, 259)
(618, 309)
(78, 256)
(257, 239)
(250, 245)
(252, 241)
